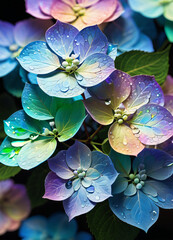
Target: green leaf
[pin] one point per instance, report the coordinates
(5, 111)
(39, 105)
(106, 148)
(35, 185)
(8, 172)
(69, 119)
(104, 225)
(139, 62)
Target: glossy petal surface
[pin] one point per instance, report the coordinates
(122, 140)
(95, 69)
(6, 34)
(60, 38)
(154, 124)
(33, 8)
(89, 41)
(7, 66)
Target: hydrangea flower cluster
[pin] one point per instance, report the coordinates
(114, 164)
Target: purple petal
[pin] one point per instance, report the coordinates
(155, 124)
(95, 69)
(5, 186)
(30, 30)
(59, 166)
(145, 90)
(5, 223)
(33, 8)
(6, 34)
(78, 155)
(158, 164)
(169, 103)
(55, 188)
(45, 6)
(89, 41)
(60, 38)
(78, 204)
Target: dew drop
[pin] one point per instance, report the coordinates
(153, 215)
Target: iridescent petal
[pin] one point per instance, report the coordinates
(89, 41)
(59, 166)
(145, 90)
(78, 155)
(60, 84)
(62, 11)
(60, 38)
(130, 190)
(154, 124)
(122, 140)
(102, 190)
(149, 8)
(37, 58)
(138, 210)
(119, 185)
(86, 3)
(99, 12)
(30, 30)
(78, 204)
(103, 164)
(55, 188)
(169, 103)
(4, 53)
(93, 173)
(168, 9)
(7, 66)
(6, 34)
(70, 2)
(45, 6)
(76, 184)
(158, 164)
(95, 69)
(33, 8)
(99, 111)
(86, 182)
(117, 13)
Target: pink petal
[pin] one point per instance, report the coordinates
(168, 85)
(87, 3)
(45, 6)
(116, 14)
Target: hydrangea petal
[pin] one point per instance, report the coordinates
(122, 140)
(30, 30)
(45, 6)
(92, 15)
(7, 66)
(144, 44)
(130, 190)
(62, 11)
(168, 9)
(5, 222)
(92, 173)
(33, 8)
(76, 184)
(37, 58)
(169, 103)
(158, 164)
(168, 30)
(5, 186)
(78, 204)
(86, 3)
(116, 14)
(78, 155)
(149, 8)
(6, 34)
(99, 111)
(102, 190)
(154, 124)
(149, 190)
(145, 90)
(89, 41)
(164, 192)
(59, 166)
(168, 85)
(138, 210)
(60, 84)
(60, 38)
(55, 188)
(103, 164)
(119, 185)
(95, 69)
(4, 53)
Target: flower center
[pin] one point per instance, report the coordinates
(164, 2)
(15, 49)
(138, 179)
(70, 64)
(80, 173)
(120, 116)
(47, 132)
(78, 10)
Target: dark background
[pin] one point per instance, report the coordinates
(13, 11)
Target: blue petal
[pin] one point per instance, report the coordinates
(137, 210)
(77, 204)
(83, 236)
(27, 77)
(112, 51)
(130, 190)
(158, 164)
(119, 185)
(4, 53)
(121, 162)
(144, 43)
(37, 58)
(95, 69)
(59, 227)
(60, 38)
(78, 155)
(34, 228)
(103, 164)
(89, 41)
(164, 198)
(6, 34)
(7, 66)
(60, 84)
(102, 190)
